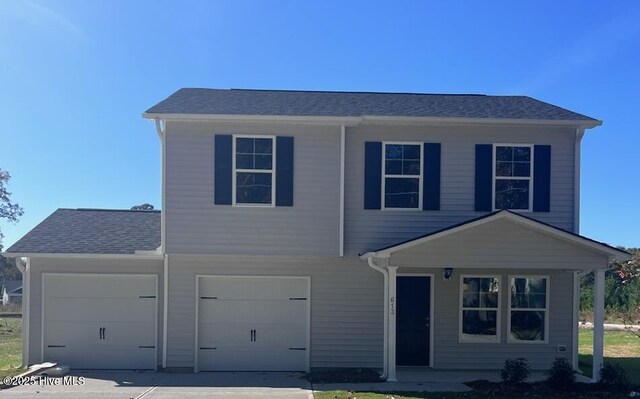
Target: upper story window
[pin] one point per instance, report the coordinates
(513, 177)
(253, 170)
(402, 176)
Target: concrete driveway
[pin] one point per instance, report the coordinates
(151, 385)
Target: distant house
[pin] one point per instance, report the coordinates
(302, 230)
(11, 292)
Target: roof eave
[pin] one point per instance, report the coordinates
(368, 119)
(140, 256)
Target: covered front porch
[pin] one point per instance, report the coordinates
(460, 301)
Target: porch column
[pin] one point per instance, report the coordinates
(391, 376)
(598, 324)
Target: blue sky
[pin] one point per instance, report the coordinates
(76, 76)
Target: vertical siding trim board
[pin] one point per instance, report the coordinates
(372, 175)
(483, 176)
(431, 173)
(284, 171)
(223, 169)
(542, 178)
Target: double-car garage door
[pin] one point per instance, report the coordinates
(253, 323)
(100, 321)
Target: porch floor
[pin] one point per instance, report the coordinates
(428, 375)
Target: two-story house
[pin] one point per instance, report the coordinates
(308, 230)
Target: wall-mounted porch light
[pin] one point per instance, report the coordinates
(447, 273)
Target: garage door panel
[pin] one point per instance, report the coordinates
(91, 357)
(235, 311)
(85, 328)
(254, 288)
(252, 360)
(253, 323)
(111, 286)
(104, 309)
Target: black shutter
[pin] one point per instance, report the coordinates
(284, 171)
(223, 169)
(431, 173)
(542, 178)
(372, 174)
(484, 163)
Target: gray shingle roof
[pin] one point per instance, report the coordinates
(13, 286)
(93, 231)
(355, 104)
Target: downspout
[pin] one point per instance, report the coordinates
(576, 181)
(161, 129)
(25, 269)
(385, 339)
(576, 229)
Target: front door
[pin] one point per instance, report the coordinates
(413, 318)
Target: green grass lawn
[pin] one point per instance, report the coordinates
(464, 395)
(10, 345)
(620, 347)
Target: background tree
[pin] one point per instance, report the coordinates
(622, 290)
(9, 211)
(143, 207)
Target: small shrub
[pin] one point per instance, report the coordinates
(614, 376)
(516, 371)
(561, 375)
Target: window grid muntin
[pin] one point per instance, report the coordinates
(470, 338)
(265, 171)
(511, 309)
(386, 176)
(528, 179)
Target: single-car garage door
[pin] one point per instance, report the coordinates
(253, 323)
(101, 321)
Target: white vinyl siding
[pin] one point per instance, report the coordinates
(365, 230)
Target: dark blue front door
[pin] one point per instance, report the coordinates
(413, 318)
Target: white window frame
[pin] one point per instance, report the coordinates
(272, 170)
(511, 340)
(464, 338)
(420, 177)
(494, 177)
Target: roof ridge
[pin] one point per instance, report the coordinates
(352, 92)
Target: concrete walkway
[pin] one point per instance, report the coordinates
(394, 387)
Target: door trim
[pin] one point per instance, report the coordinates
(431, 310)
(197, 318)
(43, 296)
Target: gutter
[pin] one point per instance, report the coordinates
(385, 274)
(350, 121)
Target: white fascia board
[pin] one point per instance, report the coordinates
(84, 256)
(368, 119)
(417, 120)
(314, 120)
(531, 224)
